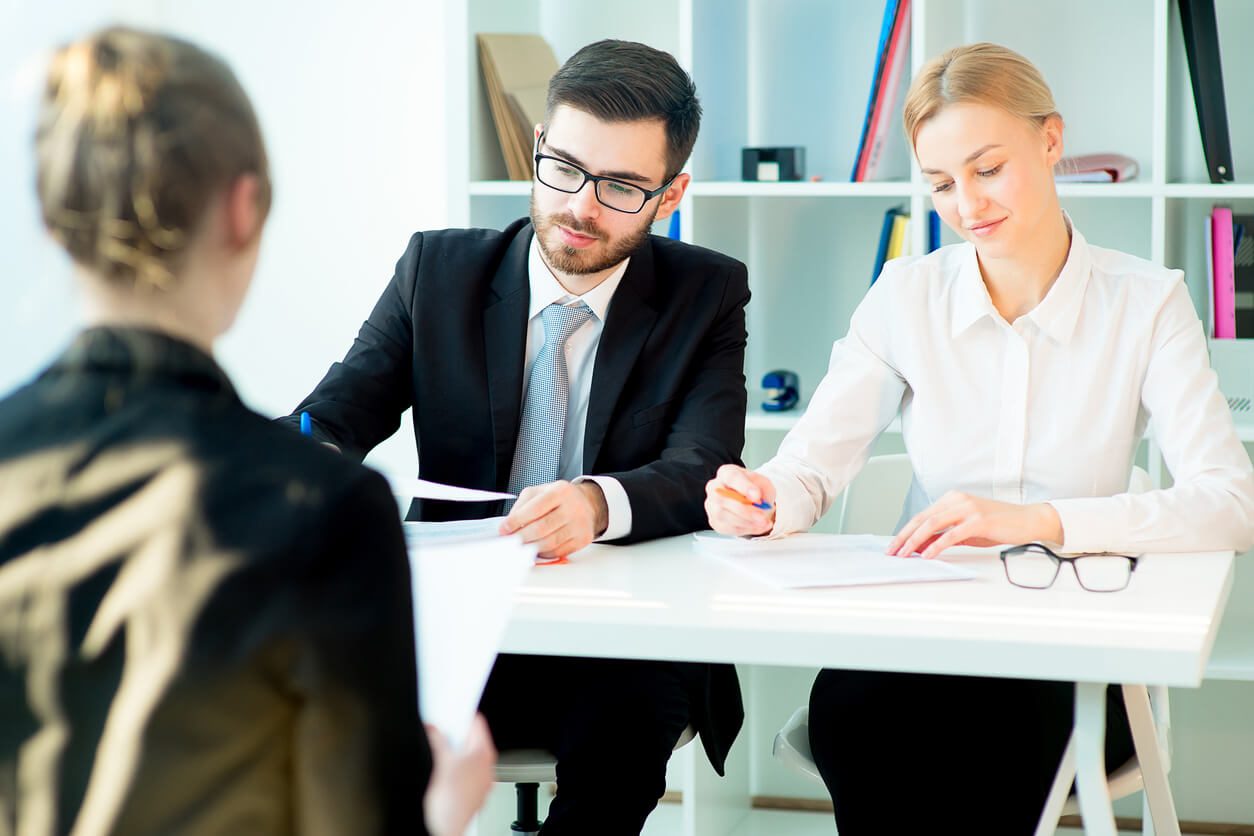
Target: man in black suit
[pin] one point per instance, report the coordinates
(647, 394)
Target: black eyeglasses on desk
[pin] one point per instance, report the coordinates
(1034, 566)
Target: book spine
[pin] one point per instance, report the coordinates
(1209, 289)
(1225, 277)
(881, 53)
(1201, 47)
(886, 104)
(897, 243)
(886, 234)
(1243, 273)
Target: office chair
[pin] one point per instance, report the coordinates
(526, 769)
(871, 504)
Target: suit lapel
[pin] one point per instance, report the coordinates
(630, 320)
(505, 346)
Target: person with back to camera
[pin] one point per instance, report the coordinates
(205, 620)
(1025, 364)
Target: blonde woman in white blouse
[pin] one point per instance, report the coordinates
(1025, 364)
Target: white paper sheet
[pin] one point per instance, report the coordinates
(435, 533)
(815, 560)
(426, 489)
(463, 593)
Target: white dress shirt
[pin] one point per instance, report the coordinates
(1049, 408)
(581, 353)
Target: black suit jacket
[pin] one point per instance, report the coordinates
(667, 406)
(205, 620)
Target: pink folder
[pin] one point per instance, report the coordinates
(1225, 275)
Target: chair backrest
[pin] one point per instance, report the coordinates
(1140, 481)
(872, 502)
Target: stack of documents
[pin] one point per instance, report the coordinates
(456, 531)
(516, 72)
(813, 560)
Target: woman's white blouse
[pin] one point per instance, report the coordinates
(1049, 408)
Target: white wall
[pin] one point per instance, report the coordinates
(352, 101)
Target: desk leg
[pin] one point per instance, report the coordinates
(1058, 793)
(1089, 737)
(1158, 799)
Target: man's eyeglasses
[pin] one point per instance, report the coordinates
(1034, 566)
(618, 195)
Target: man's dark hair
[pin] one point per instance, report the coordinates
(623, 81)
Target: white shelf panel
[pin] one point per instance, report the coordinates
(499, 188)
(737, 188)
(1112, 190)
(1209, 191)
(758, 418)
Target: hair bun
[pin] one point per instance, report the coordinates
(137, 132)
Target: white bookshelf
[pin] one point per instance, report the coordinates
(797, 72)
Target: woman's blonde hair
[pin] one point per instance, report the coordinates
(136, 133)
(980, 73)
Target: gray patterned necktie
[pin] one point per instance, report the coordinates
(539, 446)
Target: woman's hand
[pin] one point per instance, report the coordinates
(959, 519)
(459, 780)
(730, 499)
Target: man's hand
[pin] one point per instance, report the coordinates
(732, 515)
(560, 518)
(959, 519)
(459, 780)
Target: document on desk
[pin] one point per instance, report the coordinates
(417, 533)
(803, 561)
(464, 591)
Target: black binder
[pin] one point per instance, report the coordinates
(1201, 45)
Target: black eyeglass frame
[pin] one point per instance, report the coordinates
(595, 179)
(1058, 559)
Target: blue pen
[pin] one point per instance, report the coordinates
(306, 425)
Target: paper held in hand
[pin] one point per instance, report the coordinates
(426, 489)
(463, 594)
(803, 561)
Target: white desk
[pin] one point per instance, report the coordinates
(663, 600)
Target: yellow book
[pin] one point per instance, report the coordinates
(897, 240)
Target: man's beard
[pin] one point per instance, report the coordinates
(577, 262)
